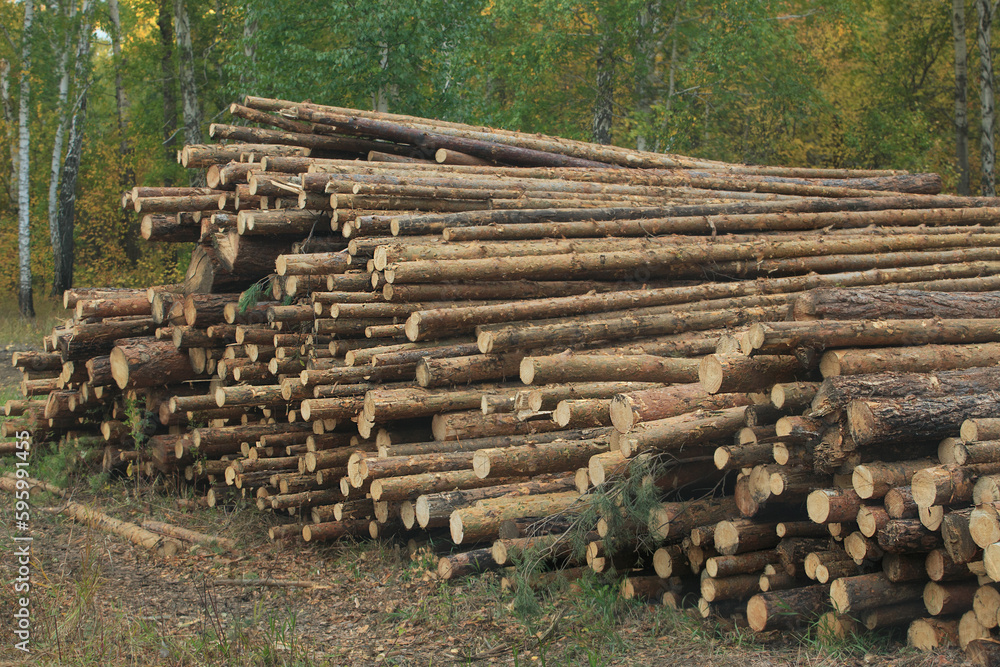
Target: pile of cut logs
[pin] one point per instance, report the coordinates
(769, 391)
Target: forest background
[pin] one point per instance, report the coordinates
(100, 94)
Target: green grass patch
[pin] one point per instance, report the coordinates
(15, 329)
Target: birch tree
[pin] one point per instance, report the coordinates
(62, 121)
(25, 298)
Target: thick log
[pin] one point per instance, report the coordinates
(147, 362)
(474, 424)
(893, 421)
(786, 608)
(979, 429)
(881, 304)
(907, 536)
(467, 369)
(836, 392)
(833, 505)
(474, 524)
(867, 591)
(927, 634)
(672, 520)
(948, 484)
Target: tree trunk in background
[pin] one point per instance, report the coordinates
(164, 20)
(247, 72)
(961, 100)
(604, 103)
(126, 175)
(380, 99)
(190, 108)
(8, 119)
(63, 249)
(62, 118)
(649, 42)
(985, 11)
(25, 298)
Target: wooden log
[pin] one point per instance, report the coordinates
(979, 429)
(673, 519)
(434, 509)
(927, 634)
(921, 359)
(881, 304)
(786, 608)
(948, 484)
(867, 591)
(558, 456)
(745, 563)
(874, 480)
(146, 362)
(626, 410)
(890, 421)
(837, 392)
(899, 503)
(474, 524)
(907, 536)
(833, 505)
(674, 433)
(466, 564)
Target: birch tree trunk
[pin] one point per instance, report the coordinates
(604, 102)
(380, 98)
(62, 116)
(25, 298)
(985, 12)
(190, 109)
(961, 99)
(63, 249)
(126, 175)
(164, 21)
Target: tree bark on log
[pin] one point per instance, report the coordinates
(147, 362)
(895, 304)
(920, 359)
(895, 421)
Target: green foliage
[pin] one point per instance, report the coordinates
(825, 83)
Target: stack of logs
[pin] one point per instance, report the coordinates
(502, 337)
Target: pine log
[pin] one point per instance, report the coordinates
(626, 410)
(557, 456)
(927, 634)
(948, 484)
(907, 536)
(146, 362)
(975, 430)
(783, 609)
(867, 591)
(893, 421)
(920, 359)
(837, 392)
(473, 524)
(880, 304)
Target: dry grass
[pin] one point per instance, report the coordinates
(17, 330)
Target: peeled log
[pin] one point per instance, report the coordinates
(147, 362)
